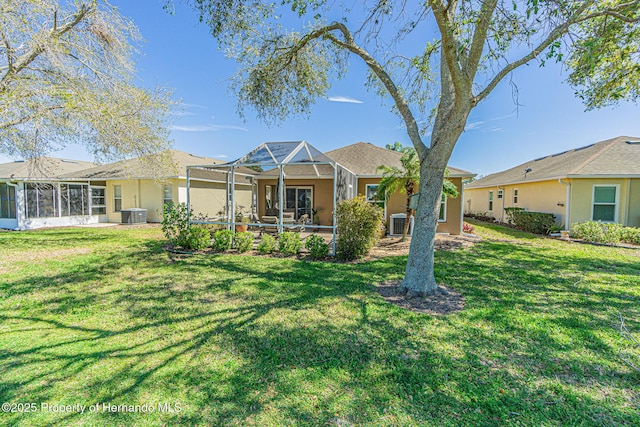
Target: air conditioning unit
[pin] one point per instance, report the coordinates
(134, 216)
(397, 224)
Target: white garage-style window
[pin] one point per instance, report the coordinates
(605, 203)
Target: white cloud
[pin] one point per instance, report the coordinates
(473, 125)
(344, 99)
(181, 113)
(205, 128)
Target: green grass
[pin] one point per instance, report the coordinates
(105, 315)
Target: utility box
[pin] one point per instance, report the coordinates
(397, 224)
(134, 216)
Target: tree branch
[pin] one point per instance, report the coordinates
(479, 38)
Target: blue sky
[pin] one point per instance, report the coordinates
(180, 53)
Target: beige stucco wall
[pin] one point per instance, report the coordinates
(582, 199)
(209, 198)
(130, 197)
(634, 203)
(543, 196)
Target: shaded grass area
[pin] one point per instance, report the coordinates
(105, 315)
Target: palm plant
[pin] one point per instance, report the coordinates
(406, 179)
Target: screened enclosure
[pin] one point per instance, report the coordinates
(292, 185)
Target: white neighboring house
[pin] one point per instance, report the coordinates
(33, 194)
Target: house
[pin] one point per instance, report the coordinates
(599, 182)
(309, 181)
(33, 194)
(50, 192)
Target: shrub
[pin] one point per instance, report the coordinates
(358, 228)
(467, 228)
(175, 224)
(482, 216)
(317, 247)
(267, 244)
(289, 243)
(511, 212)
(600, 232)
(222, 240)
(243, 241)
(198, 238)
(533, 222)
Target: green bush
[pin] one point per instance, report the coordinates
(175, 224)
(534, 222)
(289, 243)
(359, 225)
(317, 247)
(607, 233)
(510, 212)
(222, 240)
(243, 242)
(267, 244)
(198, 238)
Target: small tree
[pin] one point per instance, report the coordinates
(407, 180)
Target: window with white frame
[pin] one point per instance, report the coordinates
(42, 200)
(443, 208)
(7, 201)
(490, 200)
(117, 198)
(371, 195)
(167, 195)
(74, 199)
(98, 200)
(605, 203)
(515, 196)
(500, 194)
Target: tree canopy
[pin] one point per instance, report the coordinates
(66, 76)
(467, 47)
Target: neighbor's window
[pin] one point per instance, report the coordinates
(98, 200)
(7, 201)
(605, 203)
(491, 200)
(167, 195)
(41, 200)
(515, 196)
(443, 208)
(117, 198)
(500, 194)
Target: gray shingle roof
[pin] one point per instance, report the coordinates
(613, 157)
(41, 168)
(363, 159)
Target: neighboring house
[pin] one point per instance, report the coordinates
(312, 179)
(129, 184)
(599, 182)
(33, 194)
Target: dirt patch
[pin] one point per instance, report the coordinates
(392, 246)
(445, 302)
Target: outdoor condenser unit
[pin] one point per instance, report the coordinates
(397, 224)
(134, 216)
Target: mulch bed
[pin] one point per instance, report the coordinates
(446, 301)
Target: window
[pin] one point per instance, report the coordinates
(515, 196)
(491, 200)
(167, 195)
(605, 203)
(7, 201)
(41, 200)
(117, 198)
(98, 201)
(299, 200)
(443, 208)
(74, 199)
(371, 195)
(500, 194)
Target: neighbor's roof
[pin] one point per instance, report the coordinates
(617, 157)
(363, 159)
(41, 168)
(174, 165)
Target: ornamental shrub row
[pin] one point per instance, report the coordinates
(600, 232)
(533, 222)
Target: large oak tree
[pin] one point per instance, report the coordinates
(468, 47)
(67, 76)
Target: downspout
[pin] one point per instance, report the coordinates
(567, 204)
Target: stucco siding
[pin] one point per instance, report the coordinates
(209, 198)
(322, 196)
(130, 197)
(582, 198)
(634, 203)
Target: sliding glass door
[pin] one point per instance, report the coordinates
(299, 200)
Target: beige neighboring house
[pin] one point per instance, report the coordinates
(599, 182)
(34, 194)
(127, 184)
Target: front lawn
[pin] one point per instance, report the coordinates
(95, 316)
